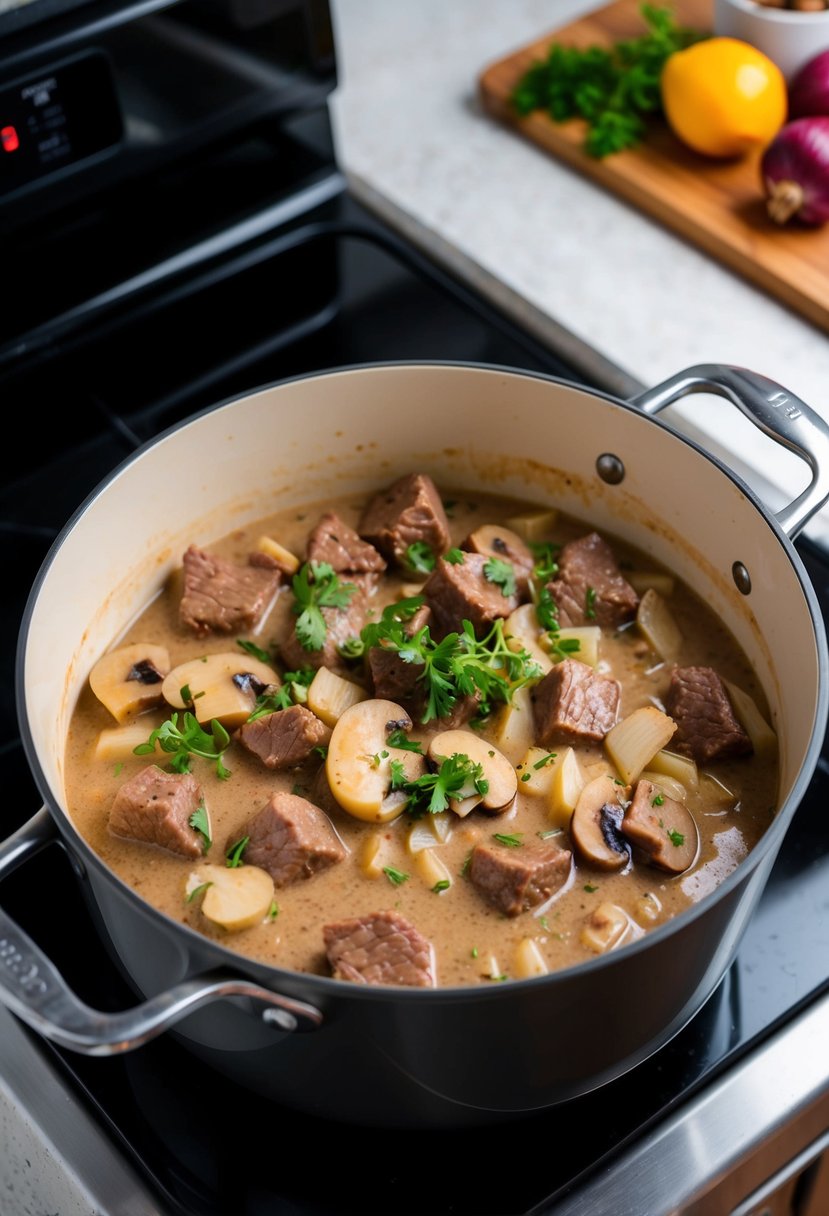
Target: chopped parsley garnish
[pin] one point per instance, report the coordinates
(197, 891)
(562, 648)
(676, 838)
(351, 648)
(546, 609)
(187, 696)
(298, 789)
(509, 842)
(502, 574)
(116, 772)
(526, 776)
(201, 824)
(233, 856)
(420, 557)
(658, 800)
(398, 774)
(457, 777)
(590, 603)
(188, 740)
(550, 832)
(395, 877)
(273, 910)
(473, 953)
(256, 651)
(322, 750)
(590, 887)
(378, 756)
(455, 557)
(400, 740)
(548, 759)
(272, 702)
(467, 862)
(546, 566)
(459, 665)
(545, 924)
(498, 978)
(443, 885)
(316, 586)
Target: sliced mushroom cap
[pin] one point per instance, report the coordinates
(130, 679)
(502, 778)
(596, 824)
(493, 540)
(222, 686)
(358, 764)
(235, 898)
(662, 827)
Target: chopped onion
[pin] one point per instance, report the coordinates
(795, 172)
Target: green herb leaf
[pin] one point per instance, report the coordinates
(548, 759)
(187, 696)
(400, 740)
(526, 776)
(352, 648)
(395, 877)
(550, 832)
(119, 768)
(321, 750)
(545, 924)
(455, 557)
(420, 557)
(271, 702)
(467, 862)
(197, 891)
(590, 887)
(676, 838)
(316, 586)
(256, 651)
(398, 774)
(442, 885)
(189, 739)
(201, 824)
(546, 566)
(502, 574)
(658, 800)
(457, 777)
(233, 856)
(273, 910)
(473, 952)
(562, 648)
(590, 603)
(509, 842)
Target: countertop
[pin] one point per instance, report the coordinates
(613, 291)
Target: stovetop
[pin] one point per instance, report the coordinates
(336, 289)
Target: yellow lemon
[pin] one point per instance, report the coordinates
(723, 97)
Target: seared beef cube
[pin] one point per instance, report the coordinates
(155, 807)
(284, 738)
(292, 839)
(574, 704)
(516, 879)
(221, 596)
(381, 948)
(590, 588)
(462, 592)
(707, 729)
(341, 624)
(332, 541)
(408, 512)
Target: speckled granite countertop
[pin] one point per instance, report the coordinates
(617, 294)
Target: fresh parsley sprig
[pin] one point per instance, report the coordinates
(502, 574)
(189, 739)
(615, 89)
(317, 586)
(457, 777)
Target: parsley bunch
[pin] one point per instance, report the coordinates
(460, 665)
(316, 586)
(189, 739)
(615, 89)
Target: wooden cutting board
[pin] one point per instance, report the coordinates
(717, 205)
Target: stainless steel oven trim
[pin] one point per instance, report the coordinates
(684, 1157)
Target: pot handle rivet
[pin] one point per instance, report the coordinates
(742, 578)
(610, 468)
(280, 1018)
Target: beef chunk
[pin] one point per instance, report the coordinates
(292, 839)
(574, 704)
(221, 596)
(341, 624)
(155, 807)
(707, 729)
(514, 880)
(462, 592)
(381, 948)
(587, 570)
(283, 738)
(408, 512)
(332, 541)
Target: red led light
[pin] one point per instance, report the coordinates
(9, 139)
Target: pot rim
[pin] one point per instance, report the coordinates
(328, 986)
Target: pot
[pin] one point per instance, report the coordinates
(414, 1057)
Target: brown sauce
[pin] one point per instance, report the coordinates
(473, 942)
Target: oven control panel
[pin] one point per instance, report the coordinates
(56, 118)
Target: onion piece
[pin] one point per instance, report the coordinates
(795, 172)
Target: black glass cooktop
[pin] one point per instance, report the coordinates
(336, 290)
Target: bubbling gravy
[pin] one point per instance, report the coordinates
(498, 877)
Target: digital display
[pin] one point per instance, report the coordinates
(55, 119)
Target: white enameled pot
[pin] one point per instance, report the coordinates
(606, 461)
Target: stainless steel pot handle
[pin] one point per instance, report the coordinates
(777, 412)
(33, 988)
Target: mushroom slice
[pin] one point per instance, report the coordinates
(130, 679)
(502, 778)
(662, 827)
(222, 686)
(358, 764)
(235, 898)
(597, 821)
(493, 540)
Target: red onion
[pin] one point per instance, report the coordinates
(795, 171)
(809, 88)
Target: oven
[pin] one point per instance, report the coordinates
(177, 231)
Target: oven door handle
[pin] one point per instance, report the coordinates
(33, 989)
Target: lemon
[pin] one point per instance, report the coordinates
(722, 97)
